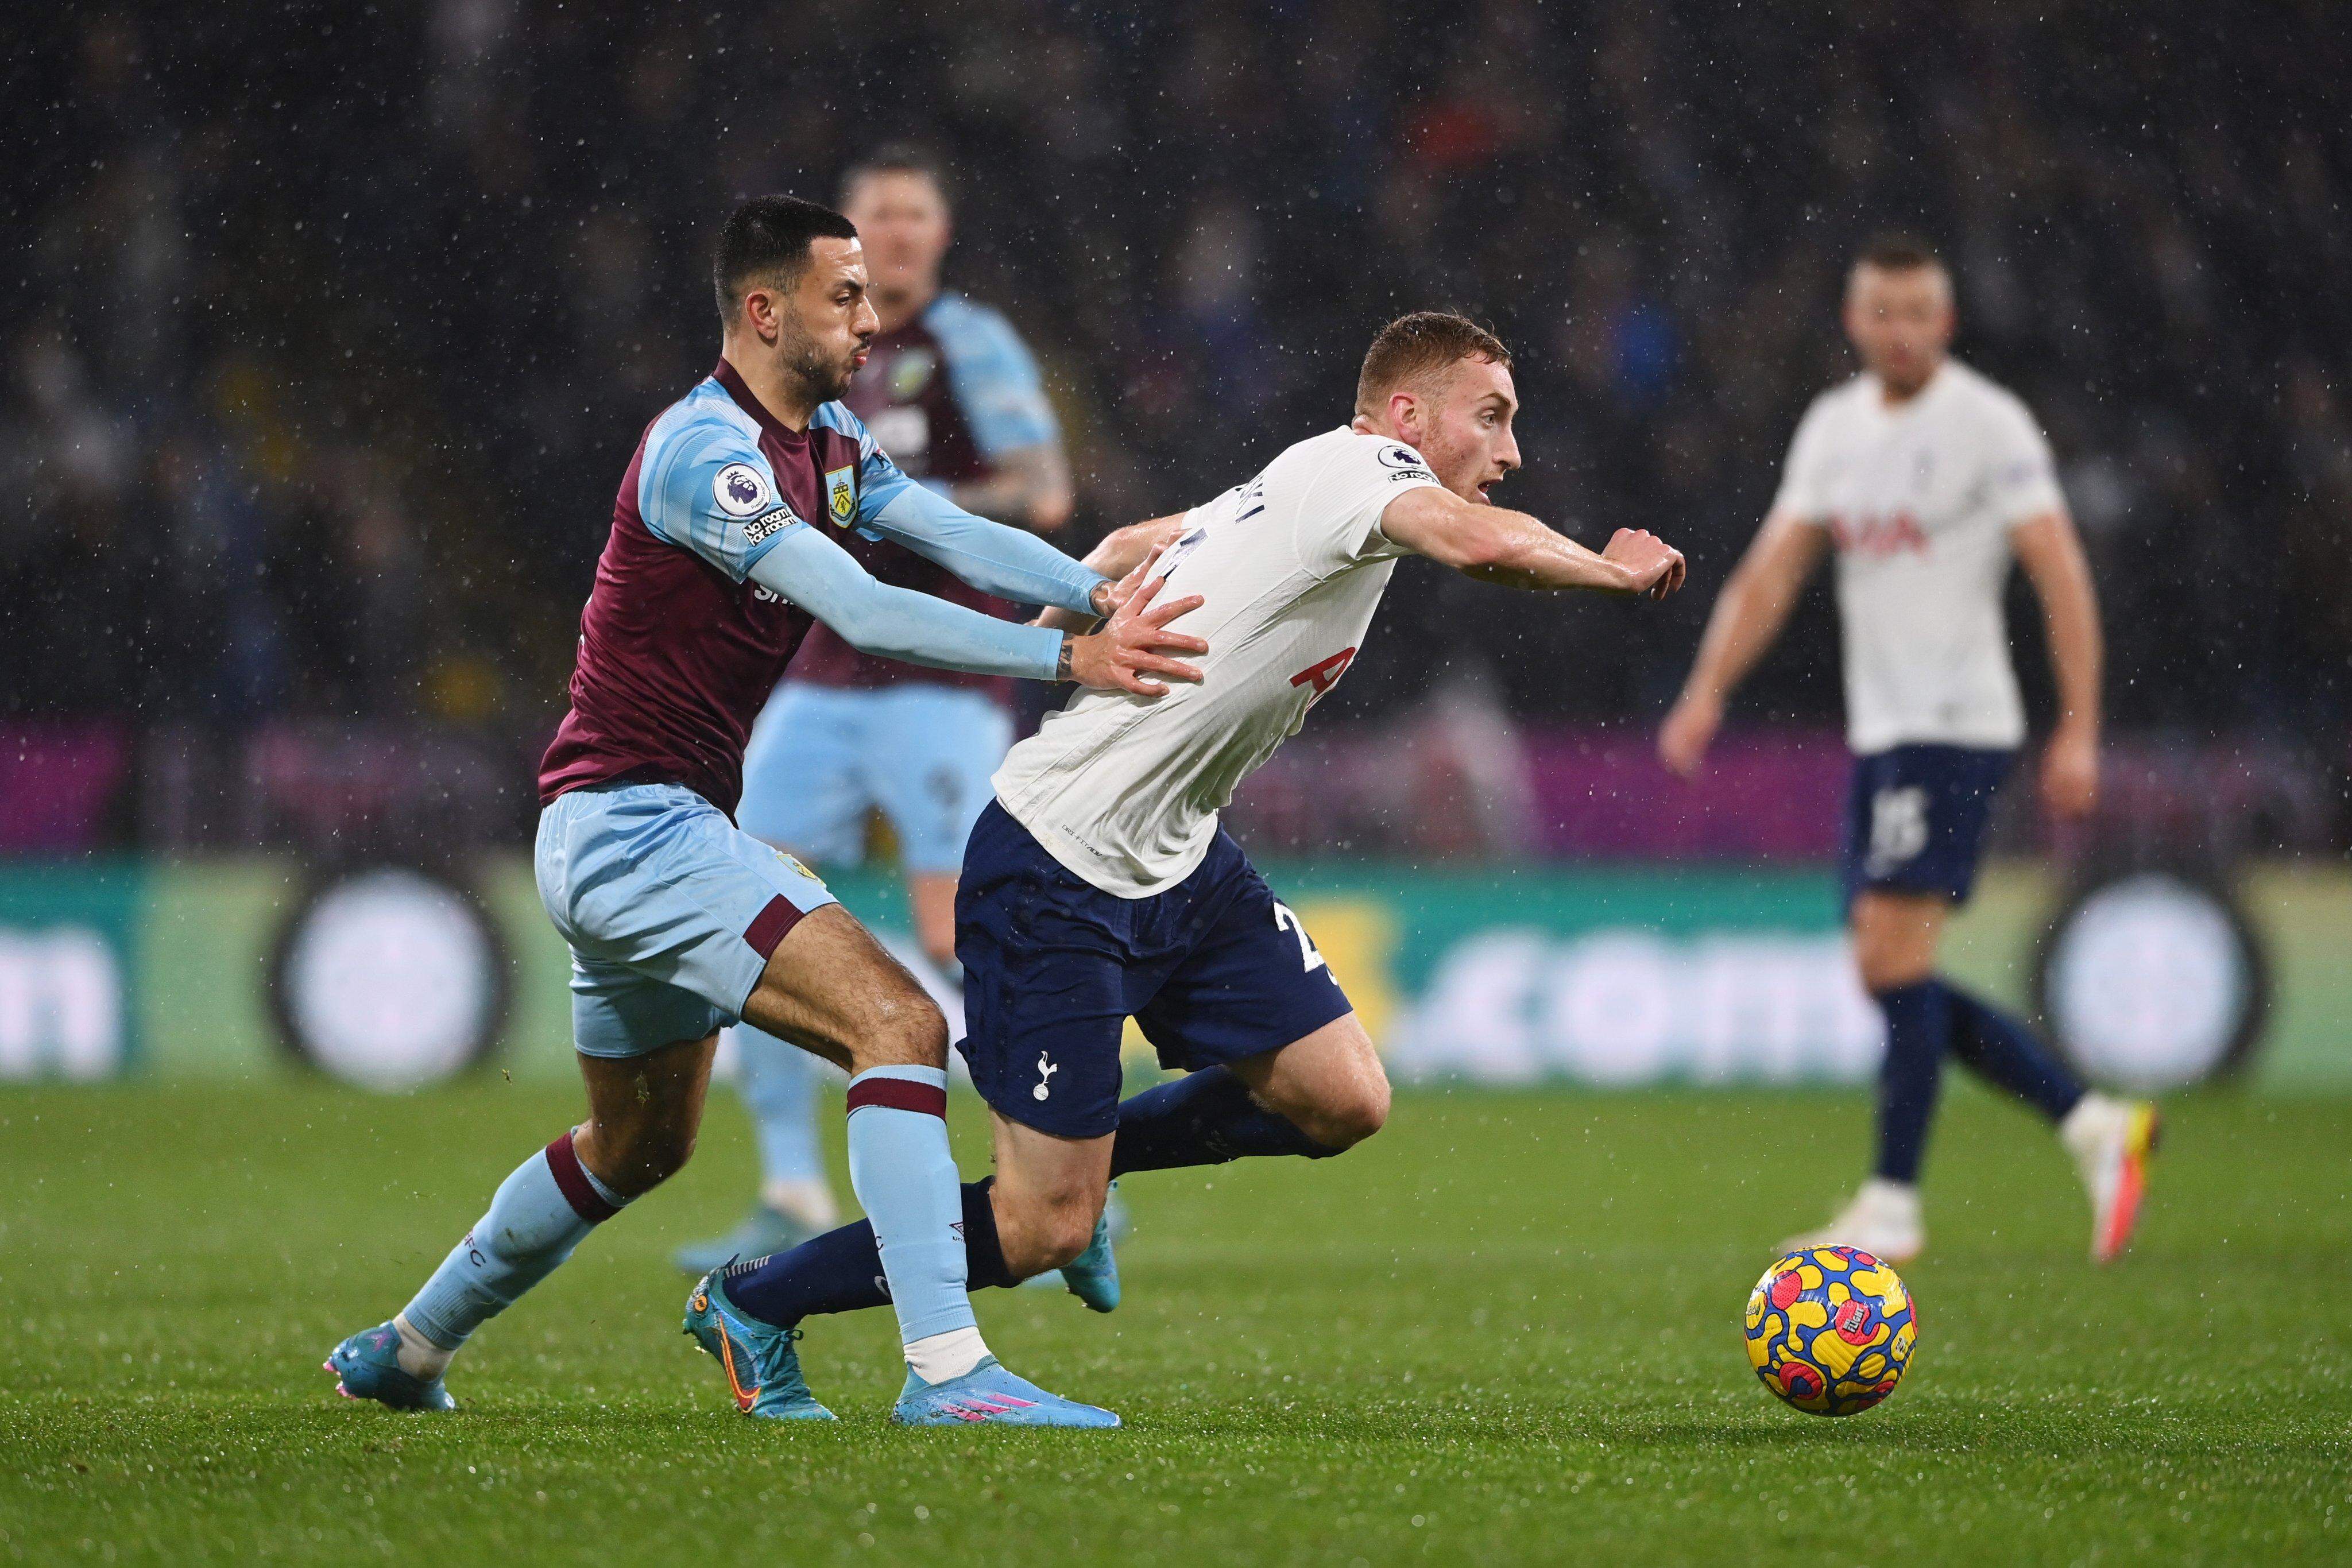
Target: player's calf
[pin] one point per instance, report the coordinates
(1047, 1196)
(830, 987)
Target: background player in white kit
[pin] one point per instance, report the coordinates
(1099, 885)
(1928, 479)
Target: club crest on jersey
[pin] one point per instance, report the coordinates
(841, 496)
(740, 490)
(909, 374)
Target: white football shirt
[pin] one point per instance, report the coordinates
(1124, 790)
(1919, 500)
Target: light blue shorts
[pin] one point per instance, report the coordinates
(671, 911)
(822, 756)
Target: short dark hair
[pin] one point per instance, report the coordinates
(767, 239)
(895, 158)
(1413, 347)
(1897, 253)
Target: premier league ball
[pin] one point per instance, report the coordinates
(1829, 1330)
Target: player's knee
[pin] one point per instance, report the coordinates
(1036, 1237)
(903, 1027)
(1886, 962)
(1343, 1121)
(1068, 1231)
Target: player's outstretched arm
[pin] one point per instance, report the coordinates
(1006, 561)
(1747, 615)
(1496, 545)
(2051, 553)
(812, 572)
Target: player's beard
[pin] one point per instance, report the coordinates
(824, 380)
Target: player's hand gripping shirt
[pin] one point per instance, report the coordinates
(1125, 791)
(1919, 500)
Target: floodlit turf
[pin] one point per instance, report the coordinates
(1506, 1330)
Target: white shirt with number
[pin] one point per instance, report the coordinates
(1919, 499)
(1125, 791)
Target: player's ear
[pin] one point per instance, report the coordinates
(760, 309)
(1405, 415)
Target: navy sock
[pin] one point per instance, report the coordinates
(2002, 1050)
(1203, 1118)
(1919, 1032)
(841, 1270)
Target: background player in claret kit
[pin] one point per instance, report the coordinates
(952, 394)
(1926, 478)
(679, 922)
(1098, 885)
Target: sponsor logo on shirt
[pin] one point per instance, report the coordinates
(841, 496)
(762, 528)
(740, 490)
(1879, 537)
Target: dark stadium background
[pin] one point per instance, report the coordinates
(330, 328)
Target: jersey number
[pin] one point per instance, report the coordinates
(1309, 959)
(1323, 676)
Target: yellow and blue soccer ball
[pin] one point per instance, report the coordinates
(1829, 1330)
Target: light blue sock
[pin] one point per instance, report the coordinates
(537, 1217)
(906, 1177)
(779, 1084)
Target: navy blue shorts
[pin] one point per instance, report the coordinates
(1915, 821)
(1215, 969)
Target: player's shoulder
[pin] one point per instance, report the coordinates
(838, 416)
(706, 424)
(1978, 395)
(1831, 403)
(705, 409)
(1346, 450)
(965, 329)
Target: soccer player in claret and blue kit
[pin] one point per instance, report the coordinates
(678, 921)
(1929, 479)
(953, 395)
(1098, 885)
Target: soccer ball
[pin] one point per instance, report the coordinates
(1829, 1330)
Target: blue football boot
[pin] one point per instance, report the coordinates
(763, 1231)
(763, 1370)
(1093, 1275)
(990, 1394)
(367, 1366)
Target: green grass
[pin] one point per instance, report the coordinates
(1508, 1329)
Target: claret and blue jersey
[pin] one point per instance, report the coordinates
(672, 911)
(678, 648)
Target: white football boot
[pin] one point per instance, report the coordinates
(1882, 1220)
(2111, 1141)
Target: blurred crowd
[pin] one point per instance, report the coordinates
(332, 327)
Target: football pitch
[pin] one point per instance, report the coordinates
(1508, 1329)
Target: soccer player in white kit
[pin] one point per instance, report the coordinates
(1099, 886)
(1928, 479)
